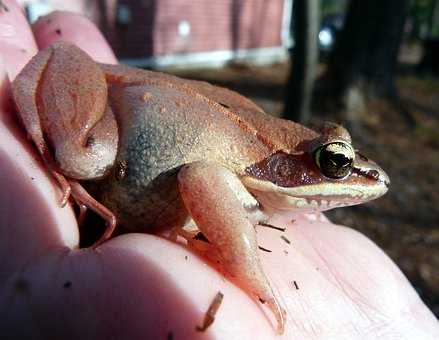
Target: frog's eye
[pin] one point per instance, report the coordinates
(335, 159)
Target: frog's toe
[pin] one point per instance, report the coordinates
(279, 314)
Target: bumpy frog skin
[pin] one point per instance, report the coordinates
(166, 153)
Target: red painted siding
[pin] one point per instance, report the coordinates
(168, 27)
(218, 25)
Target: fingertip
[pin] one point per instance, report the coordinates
(17, 44)
(75, 28)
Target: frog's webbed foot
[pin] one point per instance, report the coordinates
(80, 195)
(51, 165)
(209, 192)
(84, 200)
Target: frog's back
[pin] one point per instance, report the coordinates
(232, 113)
(163, 126)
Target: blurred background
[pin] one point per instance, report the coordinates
(370, 65)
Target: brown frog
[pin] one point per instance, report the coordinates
(169, 153)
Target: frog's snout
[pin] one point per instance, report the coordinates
(378, 175)
(386, 180)
(370, 170)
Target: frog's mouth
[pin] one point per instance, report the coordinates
(320, 196)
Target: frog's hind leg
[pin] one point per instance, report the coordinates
(24, 89)
(209, 192)
(84, 200)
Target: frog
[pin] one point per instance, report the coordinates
(152, 152)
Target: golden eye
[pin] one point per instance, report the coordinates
(335, 159)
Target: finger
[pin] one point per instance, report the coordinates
(74, 28)
(31, 219)
(17, 44)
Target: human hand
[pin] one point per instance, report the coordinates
(333, 282)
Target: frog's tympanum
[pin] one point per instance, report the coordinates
(165, 152)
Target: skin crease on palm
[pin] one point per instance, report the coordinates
(335, 283)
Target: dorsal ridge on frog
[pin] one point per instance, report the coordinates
(171, 150)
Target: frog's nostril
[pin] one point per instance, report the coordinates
(374, 174)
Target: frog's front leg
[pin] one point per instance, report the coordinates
(209, 194)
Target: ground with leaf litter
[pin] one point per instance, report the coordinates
(405, 222)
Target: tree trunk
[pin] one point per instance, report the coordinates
(432, 18)
(303, 68)
(363, 62)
